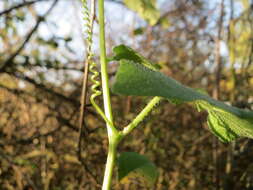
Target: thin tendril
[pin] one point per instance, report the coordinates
(89, 21)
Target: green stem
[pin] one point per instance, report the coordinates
(109, 168)
(113, 134)
(140, 117)
(109, 165)
(103, 62)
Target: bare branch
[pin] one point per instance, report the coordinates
(40, 19)
(28, 3)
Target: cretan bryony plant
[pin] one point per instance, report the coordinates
(137, 76)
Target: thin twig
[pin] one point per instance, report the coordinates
(82, 127)
(20, 5)
(84, 88)
(84, 91)
(216, 94)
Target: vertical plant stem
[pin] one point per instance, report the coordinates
(113, 134)
(104, 73)
(109, 166)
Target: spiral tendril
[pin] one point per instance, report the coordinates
(89, 19)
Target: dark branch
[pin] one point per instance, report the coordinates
(40, 19)
(29, 3)
(44, 88)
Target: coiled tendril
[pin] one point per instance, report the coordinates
(89, 20)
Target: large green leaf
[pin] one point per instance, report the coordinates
(134, 77)
(145, 8)
(134, 164)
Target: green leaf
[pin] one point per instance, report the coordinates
(145, 8)
(124, 52)
(135, 78)
(134, 164)
(138, 31)
(165, 23)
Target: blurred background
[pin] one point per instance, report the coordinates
(203, 44)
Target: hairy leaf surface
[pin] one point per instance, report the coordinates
(135, 78)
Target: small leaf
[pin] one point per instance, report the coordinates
(135, 77)
(165, 23)
(146, 9)
(133, 163)
(138, 31)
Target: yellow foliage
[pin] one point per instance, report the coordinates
(251, 81)
(71, 158)
(240, 36)
(228, 85)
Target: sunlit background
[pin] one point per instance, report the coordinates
(203, 44)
